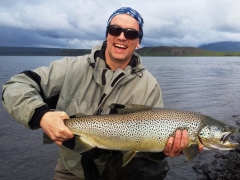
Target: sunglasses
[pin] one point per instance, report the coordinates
(128, 32)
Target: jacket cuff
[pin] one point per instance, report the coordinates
(37, 116)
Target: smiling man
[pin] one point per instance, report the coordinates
(89, 84)
(120, 48)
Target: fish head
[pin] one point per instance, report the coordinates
(215, 135)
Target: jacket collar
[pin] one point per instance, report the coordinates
(97, 61)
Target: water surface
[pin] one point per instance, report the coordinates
(209, 85)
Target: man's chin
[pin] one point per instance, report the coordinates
(119, 58)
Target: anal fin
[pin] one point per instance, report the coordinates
(127, 157)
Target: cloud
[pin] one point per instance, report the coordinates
(82, 23)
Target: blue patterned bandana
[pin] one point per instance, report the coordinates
(131, 12)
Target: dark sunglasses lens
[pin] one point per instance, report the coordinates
(128, 33)
(114, 30)
(131, 34)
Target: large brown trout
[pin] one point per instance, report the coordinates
(138, 128)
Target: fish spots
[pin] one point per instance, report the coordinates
(140, 130)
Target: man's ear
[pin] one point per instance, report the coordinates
(138, 46)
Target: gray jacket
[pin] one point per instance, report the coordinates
(78, 84)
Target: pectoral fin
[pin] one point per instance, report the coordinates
(81, 145)
(190, 152)
(77, 144)
(128, 156)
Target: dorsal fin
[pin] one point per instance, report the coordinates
(129, 108)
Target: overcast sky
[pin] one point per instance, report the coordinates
(82, 23)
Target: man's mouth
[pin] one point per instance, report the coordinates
(120, 46)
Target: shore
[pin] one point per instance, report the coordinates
(209, 165)
(224, 166)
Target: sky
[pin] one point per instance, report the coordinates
(82, 23)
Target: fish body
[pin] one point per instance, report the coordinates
(140, 128)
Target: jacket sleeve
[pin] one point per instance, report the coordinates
(155, 98)
(149, 93)
(30, 94)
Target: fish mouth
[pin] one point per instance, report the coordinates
(225, 143)
(225, 137)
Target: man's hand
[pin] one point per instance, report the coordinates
(53, 125)
(176, 144)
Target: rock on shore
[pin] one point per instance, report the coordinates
(225, 166)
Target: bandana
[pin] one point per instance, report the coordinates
(131, 12)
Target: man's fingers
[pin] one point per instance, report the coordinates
(63, 132)
(184, 139)
(63, 114)
(58, 142)
(53, 125)
(176, 144)
(176, 149)
(168, 147)
(200, 147)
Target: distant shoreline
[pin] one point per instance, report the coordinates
(145, 51)
(35, 51)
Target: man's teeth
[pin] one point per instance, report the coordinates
(120, 46)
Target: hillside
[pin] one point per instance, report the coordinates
(145, 51)
(226, 46)
(33, 51)
(180, 51)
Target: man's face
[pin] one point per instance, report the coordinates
(119, 48)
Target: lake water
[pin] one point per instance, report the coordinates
(209, 85)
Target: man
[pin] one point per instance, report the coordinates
(89, 84)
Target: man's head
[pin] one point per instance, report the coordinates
(124, 34)
(131, 12)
